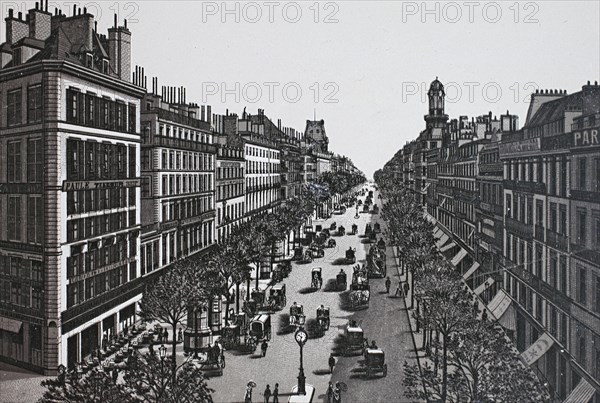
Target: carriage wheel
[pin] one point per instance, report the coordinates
(384, 370)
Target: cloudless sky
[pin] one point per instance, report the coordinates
(372, 61)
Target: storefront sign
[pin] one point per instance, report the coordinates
(585, 138)
(91, 185)
(520, 147)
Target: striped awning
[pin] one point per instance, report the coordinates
(10, 325)
(484, 285)
(582, 393)
(499, 304)
(437, 234)
(471, 270)
(458, 257)
(447, 246)
(442, 240)
(537, 349)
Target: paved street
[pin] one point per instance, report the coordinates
(385, 320)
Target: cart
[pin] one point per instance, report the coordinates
(322, 319)
(341, 281)
(375, 362)
(260, 327)
(316, 278)
(354, 338)
(278, 296)
(316, 251)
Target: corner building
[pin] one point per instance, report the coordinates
(69, 188)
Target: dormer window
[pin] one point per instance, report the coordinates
(105, 66)
(89, 61)
(17, 56)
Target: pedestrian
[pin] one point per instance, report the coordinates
(264, 347)
(330, 392)
(248, 395)
(399, 290)
(267, 393)
(276, 393)
(331, 363)
(115, 376)
(388, 284)
(180, 336)
(406, 289)
(337, 393)
(151, 349)
(165, 335)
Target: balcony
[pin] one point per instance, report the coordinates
(182, 119)
(187, 145)
(557, 241)
(530, 187)
(585, 195)
(491, 208)
(495, 167)
(519, 228)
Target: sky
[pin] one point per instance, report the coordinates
(362, 66)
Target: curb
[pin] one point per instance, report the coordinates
(307, 398)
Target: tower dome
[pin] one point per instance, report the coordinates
(436, 86)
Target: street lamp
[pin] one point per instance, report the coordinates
(301, 336)
(162, 351)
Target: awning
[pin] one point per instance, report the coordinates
(10, 325)
(447, 247)
(438, 233)
(537, 349)
(442, 240)
(471, 270)
(458, 257)
(499, 304)
(484, 285)
(582, 393)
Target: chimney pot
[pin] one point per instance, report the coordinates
(85, 10)
(10, 13)
(36, 5)
(20, 16)
(596, 82)
(74, 9)
(126, 23)
(115, 21)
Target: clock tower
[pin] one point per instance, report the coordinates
(436, 117)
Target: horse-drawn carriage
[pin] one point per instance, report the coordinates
(215, 359)
(359, 288)
(322, 319)
(295, 311)
(341, 281)
(381, 245)
(298, 253)
(366, 208)
(231, 336)
(351, 256)
(314, 251)
(354, 229)
(331, 243)
(341, 230)
(375, 362)
(375, 209)
(316, 279)
(333, 226)
(260, 327)
(282, 270)
(277, 297)
(376, 264)
(368, 230)
(354, 338)
(377, 228)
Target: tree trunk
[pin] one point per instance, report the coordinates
(445, 368)
(174, 361)
(475, 386)
(237, 298)
(227, 309)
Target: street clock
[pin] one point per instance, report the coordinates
(301, 337)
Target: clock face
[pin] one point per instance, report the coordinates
(301, 336)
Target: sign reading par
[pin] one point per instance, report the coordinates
(586, 138)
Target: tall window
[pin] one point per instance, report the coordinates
(553, 217)
(582, 226)
(34, 160)
(582, 162)
(34, 104)
(581, 285)
(13, 107)
(35, 211)
(597, 296)
(14, 161)
(14, 218)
